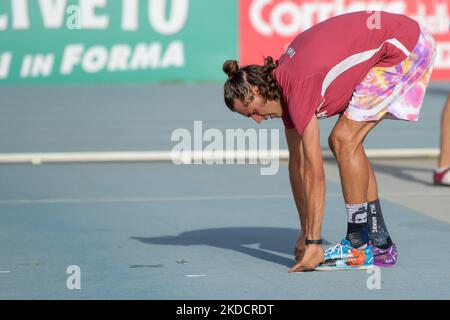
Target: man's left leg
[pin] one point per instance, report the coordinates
(384, 250)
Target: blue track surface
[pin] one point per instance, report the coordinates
(126, 226)
(160, 231)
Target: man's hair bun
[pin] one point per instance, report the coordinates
(230, 67)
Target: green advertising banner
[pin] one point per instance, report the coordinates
(104, 41)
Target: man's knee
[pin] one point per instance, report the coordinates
(330, 144)
(342, 142)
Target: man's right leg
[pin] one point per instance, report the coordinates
(346, 143)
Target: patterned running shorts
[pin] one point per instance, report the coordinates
(395, 92)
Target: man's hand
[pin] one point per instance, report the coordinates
(312, 258)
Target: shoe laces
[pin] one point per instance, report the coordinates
(340, 249)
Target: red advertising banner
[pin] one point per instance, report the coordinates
(266, 27)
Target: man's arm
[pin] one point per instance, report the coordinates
(314, 179)
(296, 170)
(314, 195)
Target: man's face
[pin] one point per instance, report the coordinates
(258, 109)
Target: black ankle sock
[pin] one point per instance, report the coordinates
(387, 245)
(357, 234)
(378, 233)
(354, 227)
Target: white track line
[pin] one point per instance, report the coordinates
(149, 199)
(189, 157)
(151, 156)
(196, 198)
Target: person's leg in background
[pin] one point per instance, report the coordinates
(442, 173)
